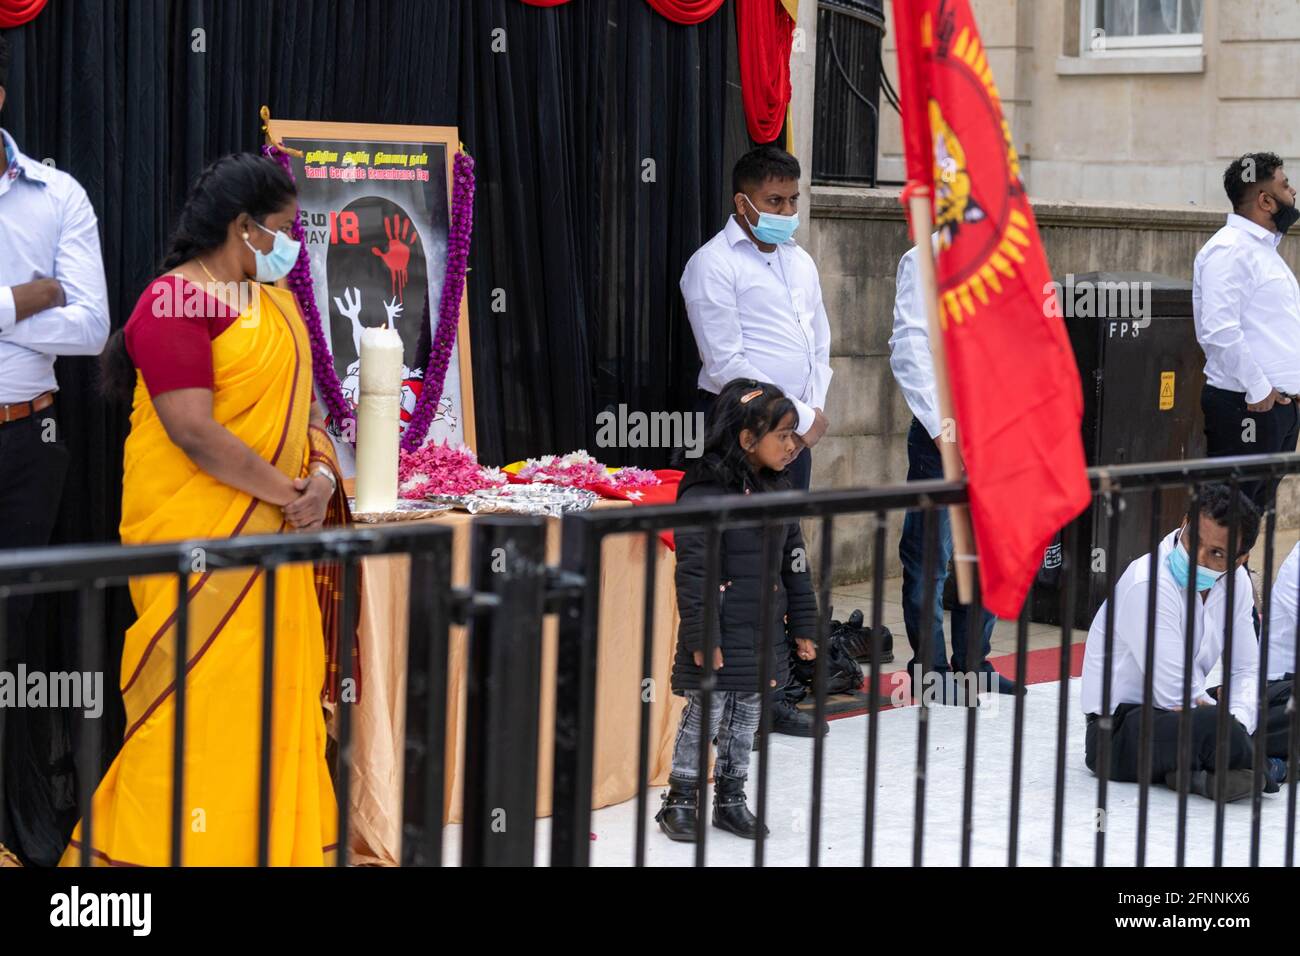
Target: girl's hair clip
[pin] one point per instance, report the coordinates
(750, 396)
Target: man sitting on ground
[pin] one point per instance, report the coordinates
(1176, 571)
(1279, 666)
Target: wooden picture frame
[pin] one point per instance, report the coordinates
(297, 134)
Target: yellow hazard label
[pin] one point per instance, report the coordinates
(1166, 391)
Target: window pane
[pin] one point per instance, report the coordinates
(1191, 21)
(1116, 17)
(1157, 17)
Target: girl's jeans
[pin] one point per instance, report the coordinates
(734, 720)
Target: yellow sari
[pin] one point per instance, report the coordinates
(262, 393)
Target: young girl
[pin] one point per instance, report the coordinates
(749, 441)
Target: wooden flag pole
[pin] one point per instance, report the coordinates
(963, 547)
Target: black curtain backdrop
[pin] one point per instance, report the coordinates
(577, 245)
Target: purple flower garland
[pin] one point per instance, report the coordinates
(444, 339)
(322, 362)
(453, 288)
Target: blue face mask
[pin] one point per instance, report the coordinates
(772, 228)
(277, 263)
(1179, 567)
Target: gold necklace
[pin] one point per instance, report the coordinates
(207, 270)
(216, 282)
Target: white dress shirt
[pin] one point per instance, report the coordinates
(759, 315)
(1281, 618)
(1246, 305)
(47, 230)
(1130, 636)
(909, 347)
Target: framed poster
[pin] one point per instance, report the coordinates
(375, 203)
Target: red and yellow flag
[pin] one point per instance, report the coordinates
(1015, 386)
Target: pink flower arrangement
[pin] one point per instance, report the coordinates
(442, 469)
(579, 469)
(634, 478)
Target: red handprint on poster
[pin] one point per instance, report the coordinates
(401, 236)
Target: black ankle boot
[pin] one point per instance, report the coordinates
(680, 810)
(729, 810)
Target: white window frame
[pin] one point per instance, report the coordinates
(1148, 44)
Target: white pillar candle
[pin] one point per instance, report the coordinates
(378, 419)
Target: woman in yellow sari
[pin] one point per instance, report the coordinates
(223, 428)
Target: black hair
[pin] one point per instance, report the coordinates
(722, 453)
(1216, 504)
(1246, 174)
(4, 60)
(761, 164)
(234, 184)
(240, 182)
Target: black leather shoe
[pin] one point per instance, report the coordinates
(729, 810)
(680, 810)
(789, 719)
(1240, 784)
(991, 679)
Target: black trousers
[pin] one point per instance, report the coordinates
(33, 463)
(1276, 722)
(1126, 737)
(1232, 430)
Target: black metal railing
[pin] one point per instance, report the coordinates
(585, 532)
(511, 589)
(434, 603)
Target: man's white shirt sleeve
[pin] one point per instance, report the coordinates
(1225, 282)
(710, 295)
(1245, 658)
(81, 326)
(8, 310)
(909, 348)
(1170, 647)
(1282, 618)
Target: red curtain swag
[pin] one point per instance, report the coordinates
(14, 13)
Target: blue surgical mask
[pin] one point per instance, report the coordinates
(1179, 566)
(277, 263)
(771, 227)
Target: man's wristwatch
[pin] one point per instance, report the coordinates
(328, 474)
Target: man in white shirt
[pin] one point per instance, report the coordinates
(1279, 665)
(754, 300)
(1176, 571)
(1246, 305)
(913, 368)
(53, 301)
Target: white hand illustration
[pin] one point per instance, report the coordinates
(394, 309)
(350, 306)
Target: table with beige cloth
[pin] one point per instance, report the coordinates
(379, 721)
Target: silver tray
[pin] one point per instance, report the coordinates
(405, 511)
(527, 499)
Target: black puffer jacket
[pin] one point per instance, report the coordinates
(738, 603)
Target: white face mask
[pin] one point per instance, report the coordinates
(279, 262)
(1180, 567)
(771, 228)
